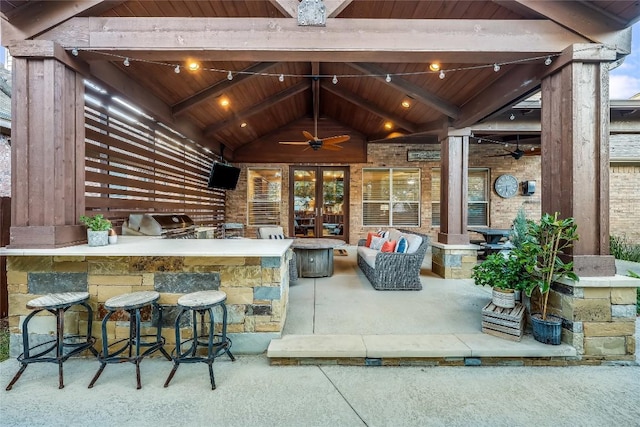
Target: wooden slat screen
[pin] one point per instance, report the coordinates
(134, 164)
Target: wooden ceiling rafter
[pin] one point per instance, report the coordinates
(289, 8)
(268, 103)
(221, 87)
(367, 105)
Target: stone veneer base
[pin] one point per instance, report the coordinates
(453, 261)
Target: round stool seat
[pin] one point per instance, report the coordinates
(202, 300)
(53, 301)
(132, 300)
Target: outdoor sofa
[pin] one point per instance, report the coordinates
(393, 270)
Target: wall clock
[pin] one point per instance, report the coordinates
(506, 186)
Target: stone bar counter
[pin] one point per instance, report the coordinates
(253, 273)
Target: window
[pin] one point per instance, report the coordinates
(391, 197)
(264, 189)
(478, 197)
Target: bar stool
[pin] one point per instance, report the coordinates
(132, 303)
(56, 304)
(201, 302)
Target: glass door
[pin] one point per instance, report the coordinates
(319, 201)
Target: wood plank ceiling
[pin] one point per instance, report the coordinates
(261, 109)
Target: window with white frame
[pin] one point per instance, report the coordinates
(391, 197)
(477, 197)
(264, 196)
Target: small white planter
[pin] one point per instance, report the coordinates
(98, 238)
(505, 298)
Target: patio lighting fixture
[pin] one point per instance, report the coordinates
(224, 102)
(74, 51)
(229, 76)
(512, 116)
(126, 62)
(334, 80)
(496, 67)
(441, 75)
(243, 124)
(193, 66)
(406, 104)
(388, 78)
(388, 125)
(177, 69)
(434, 66)
(547, 61)
(281, 78)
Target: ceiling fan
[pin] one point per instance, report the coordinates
(518, 153)
(313, 142)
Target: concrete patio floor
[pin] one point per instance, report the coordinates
(342, 316)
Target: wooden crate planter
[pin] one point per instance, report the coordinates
(501, 322)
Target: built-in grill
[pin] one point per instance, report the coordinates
(169, 226)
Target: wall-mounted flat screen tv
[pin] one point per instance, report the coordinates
(223, 176)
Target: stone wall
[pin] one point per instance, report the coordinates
(257, 292)
(599, 316)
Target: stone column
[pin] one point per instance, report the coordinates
(575, 151)
(452, 255)
(47, 148)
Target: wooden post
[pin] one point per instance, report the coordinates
(575, 152)
(454, 152)
(47, 153)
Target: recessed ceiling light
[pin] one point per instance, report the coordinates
(193, 66)
(388, 125)
(406, 104)
(434, 66)
(243, 124)
(224, 102)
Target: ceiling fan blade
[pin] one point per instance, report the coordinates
(332, 147)
(336, 139)
(308, 135)
(294, 142)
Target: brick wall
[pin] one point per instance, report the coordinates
(624, 201)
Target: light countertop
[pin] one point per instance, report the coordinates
(155, 246)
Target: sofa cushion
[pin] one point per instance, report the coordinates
(414, 242)
(370, 235)
(394, 234)
(377, 242)
(388, 246)
(403, 245)
(368, 255)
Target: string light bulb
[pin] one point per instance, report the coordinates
(441, 75)
(496, 67)
(388, 79)
(334, 80)
(74, 51)
(281, 78)
(547, 61)
(229, 76)
(126, 62)
(177, 69)
(512, 116)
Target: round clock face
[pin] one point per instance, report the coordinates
(506, 186)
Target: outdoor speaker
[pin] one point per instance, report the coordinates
(528, 188)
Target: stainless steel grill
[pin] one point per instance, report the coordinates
(169, 226)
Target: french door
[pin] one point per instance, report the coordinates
(319, 201)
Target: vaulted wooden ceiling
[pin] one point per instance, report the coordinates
(363, 42)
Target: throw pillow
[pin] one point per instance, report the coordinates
(377, 242)
(402, 245)
(370, 235)
(276, 236)
(388, 246)
(383, 233)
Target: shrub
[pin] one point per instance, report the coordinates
(622, 248)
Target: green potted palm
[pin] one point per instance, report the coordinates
(549, 238)
(97, 229)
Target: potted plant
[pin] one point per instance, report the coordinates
(549, 238)
(495, 272)
(97, 229)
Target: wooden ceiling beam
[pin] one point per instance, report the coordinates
(242, 115)
(221, 87)
(288, 8)
(520, 82)
(281, 39)
(367, 105)
(335, 7)
(35, 17)
(589, 21)
(411, 89)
